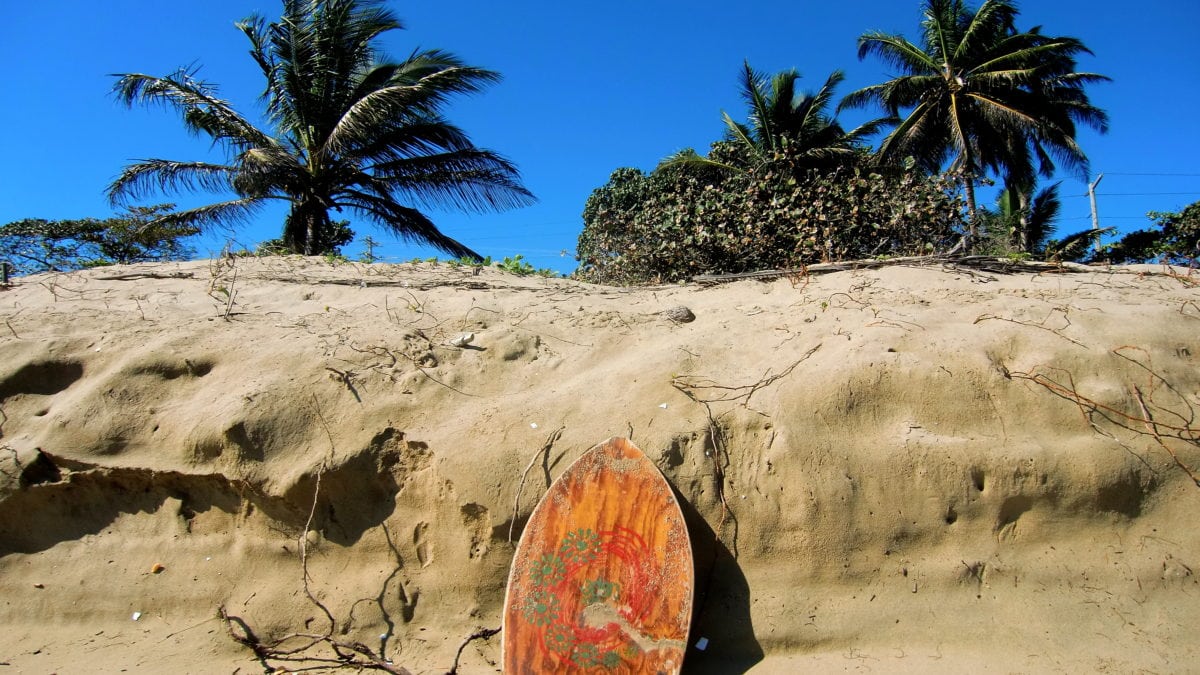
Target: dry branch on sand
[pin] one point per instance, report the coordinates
(1149, 419)
(948, 262)
(304, 647)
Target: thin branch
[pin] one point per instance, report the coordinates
(1042, 325)
(481, 634)
(544, 453)
(689, 385)
(1150, 427)
(1144, 423)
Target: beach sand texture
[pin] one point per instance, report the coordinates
(906, 469)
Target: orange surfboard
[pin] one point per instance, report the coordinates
(602, 578)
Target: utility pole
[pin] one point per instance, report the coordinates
(1095, 215)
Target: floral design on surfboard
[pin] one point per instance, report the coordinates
(587, 613)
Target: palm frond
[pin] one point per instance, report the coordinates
(993, 19)
(861, 98)
(202, 111)
(162, 175)
(740, 133)
(897, 52)
(783, 98)
(689, 159)
(1075, 245)
(752, 91)
(870, 128)
(469, 179)
(405, 138)
(394, 104)
(222, 214)
(407, 223)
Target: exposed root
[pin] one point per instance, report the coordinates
(1042, 324)
(1152, 428)
(691, 385)
(304, 647)
(544, 453)
(481, 634)
(1148, 421)
(348, 654)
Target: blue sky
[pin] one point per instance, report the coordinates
(588, 88)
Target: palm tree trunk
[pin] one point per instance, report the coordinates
(972, 210)
(1023, 221)
(307, 229)
(295, 231)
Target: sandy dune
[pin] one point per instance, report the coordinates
(899, 470)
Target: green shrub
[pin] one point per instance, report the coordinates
(519, 266)
(1175, 240)
(139, 235)
(676, 223)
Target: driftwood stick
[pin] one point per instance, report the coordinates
(988, 263)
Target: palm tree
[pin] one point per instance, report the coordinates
(978, 90)
(1024, 222)
(348, 131)
(783, 122)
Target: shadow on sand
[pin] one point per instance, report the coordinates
(721, 609)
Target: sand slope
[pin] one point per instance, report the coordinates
(885, 470)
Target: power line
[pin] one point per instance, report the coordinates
(1119, 173)
(1143, 194)
(1105, 218)
(1140, 194)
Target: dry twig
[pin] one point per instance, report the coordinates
(1143, 423)
(1042, 324)
(296, 647)
(689, 385)
(481, 634)
(544, 453)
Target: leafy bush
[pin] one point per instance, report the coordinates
(675, 223)
(1176, 239)
(519, 266)
(37, 245)
(328, 237)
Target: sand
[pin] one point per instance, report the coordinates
(906, 469)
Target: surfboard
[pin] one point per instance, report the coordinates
(602, 577)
